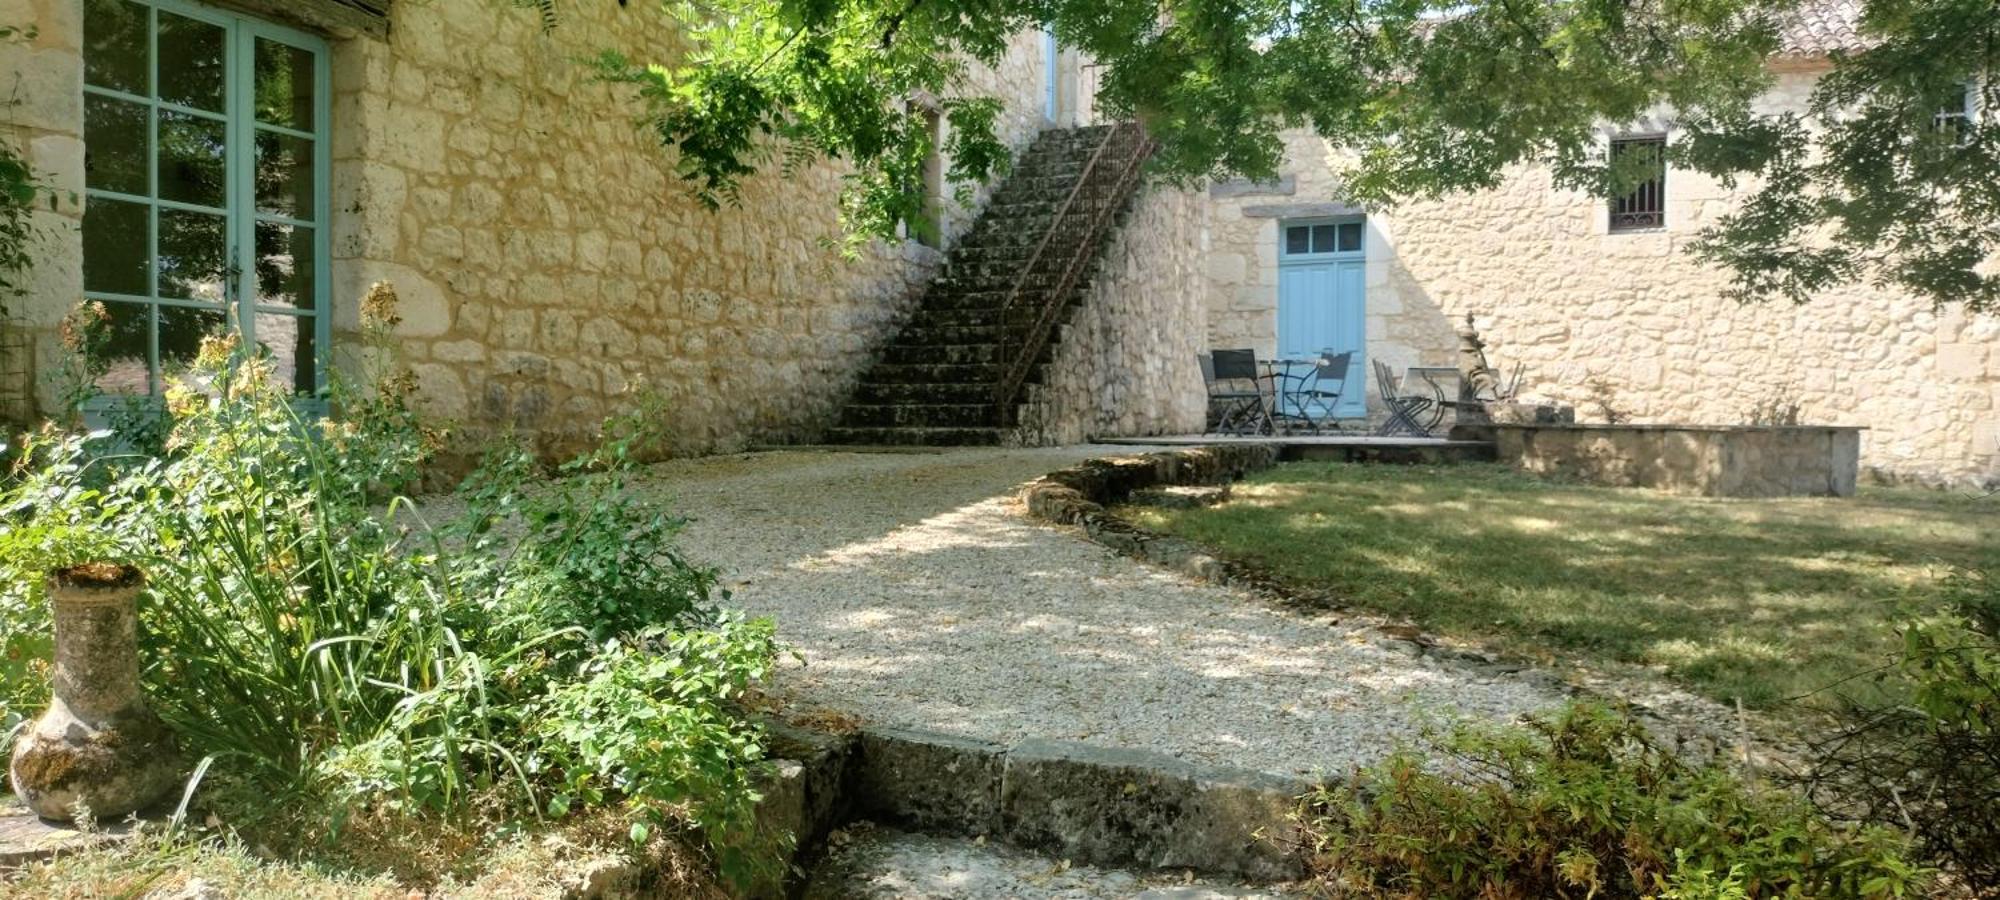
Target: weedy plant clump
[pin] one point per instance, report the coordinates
(1582, 803)
(336, 660)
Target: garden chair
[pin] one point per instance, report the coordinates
(1319, 391)
(1236, 397)
(1409, 412)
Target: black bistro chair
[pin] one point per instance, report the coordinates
(1410, 413)
(1318, 392)
(1237, 401)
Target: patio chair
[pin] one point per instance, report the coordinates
(1410, 413)
(1236, 397)
(1319, 391)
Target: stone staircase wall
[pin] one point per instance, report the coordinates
(1125, 364)
(1121, 358)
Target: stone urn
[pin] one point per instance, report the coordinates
(98, 747)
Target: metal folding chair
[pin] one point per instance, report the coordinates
(1409, 413)
(1236, 396)
(1318, 394)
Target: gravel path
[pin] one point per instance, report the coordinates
(870, 864)
(920, 595)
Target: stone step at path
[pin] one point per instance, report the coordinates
(864, 862)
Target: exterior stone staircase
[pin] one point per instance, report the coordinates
(956, 373)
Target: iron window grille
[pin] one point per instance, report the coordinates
(1646, 206)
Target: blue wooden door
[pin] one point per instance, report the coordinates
(1322, 299)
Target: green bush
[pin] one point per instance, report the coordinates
(308, 631)
(1582, 803)
(1931, 765)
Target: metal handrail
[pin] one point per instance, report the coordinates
(1015, 366)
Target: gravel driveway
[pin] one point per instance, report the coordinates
(920, 595)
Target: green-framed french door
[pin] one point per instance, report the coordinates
(207, 197)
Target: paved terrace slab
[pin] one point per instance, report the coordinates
(921, 596)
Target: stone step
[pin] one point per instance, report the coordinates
(941, 354)
(955, 317)
(950, 333)
(917, 437)
(1082, 802)
(930, 373)
(889, 393)
(918, 415)
(869, 862)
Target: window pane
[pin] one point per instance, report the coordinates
(285, 265)
(1350, 237)
(128, 337)
(284, 85)
(192, 160)
(114, 144)
(1323, 238)
(284, 175)
(190, 62)
(289, 343)
(114, 46)
(181, 331)
(1298, 239)
(192, 256)
(115, 247)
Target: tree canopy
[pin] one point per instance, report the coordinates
(1419, 98)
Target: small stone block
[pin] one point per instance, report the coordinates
(930, 781)
(27, 838)
(1112, 806)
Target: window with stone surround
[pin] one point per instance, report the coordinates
(206, 192)
(1645, 207)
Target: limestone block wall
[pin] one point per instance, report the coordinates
(1125, 364)
(1705, 461)
(550, 259)
(41, 120)
(1628, 318)
(547, 258)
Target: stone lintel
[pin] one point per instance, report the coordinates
(1302, 210)
(339, 18)
(1283, 186)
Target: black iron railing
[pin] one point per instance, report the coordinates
(1065, 253)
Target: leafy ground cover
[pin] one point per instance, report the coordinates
(363, 690)
(1762, 600)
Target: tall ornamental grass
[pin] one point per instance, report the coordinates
(321, 645)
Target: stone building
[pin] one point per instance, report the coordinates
(267, 161)
(1604, 309)
(264, 162)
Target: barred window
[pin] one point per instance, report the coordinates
(1646, 206)
(1957, 116)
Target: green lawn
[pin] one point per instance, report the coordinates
(1754, 599)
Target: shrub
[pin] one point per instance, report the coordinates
(1582, 803)
(308, 632)
(1932, 764)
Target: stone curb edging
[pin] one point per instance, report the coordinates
(1084, 803)
(1079, 496)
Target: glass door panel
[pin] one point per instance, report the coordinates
(205, 179)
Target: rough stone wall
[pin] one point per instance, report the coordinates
(1125, 364)
(1629, 316)
(41, 119)
(547, 258)
(1713, 462)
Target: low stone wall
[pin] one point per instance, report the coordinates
(1711, 461)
